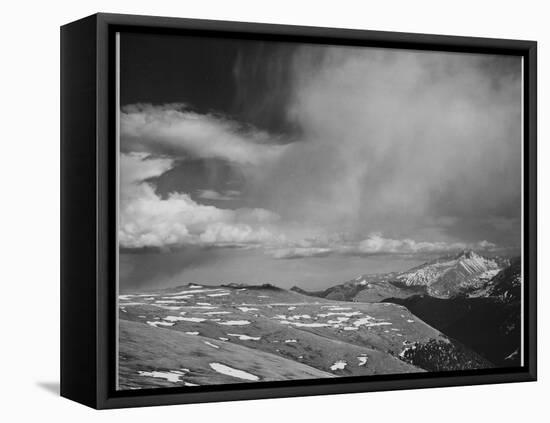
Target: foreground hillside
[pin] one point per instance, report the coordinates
(192, 360)
(197, 335)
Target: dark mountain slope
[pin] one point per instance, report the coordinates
(489, 324)
(506, 286)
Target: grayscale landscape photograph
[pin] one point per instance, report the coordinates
(293, 211)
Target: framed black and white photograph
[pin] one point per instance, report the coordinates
(254, 211)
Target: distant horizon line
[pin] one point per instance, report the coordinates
(297, 284)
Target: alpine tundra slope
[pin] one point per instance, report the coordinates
(202, 335)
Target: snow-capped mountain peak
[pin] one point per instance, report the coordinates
(467, 254)
(448, 276)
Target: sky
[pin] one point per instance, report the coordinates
(252, 162)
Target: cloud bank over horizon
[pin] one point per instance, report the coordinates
(397, 153)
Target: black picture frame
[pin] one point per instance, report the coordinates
(88, 200)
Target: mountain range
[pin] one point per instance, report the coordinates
(473, 299)
(467, 273)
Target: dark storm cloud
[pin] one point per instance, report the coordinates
(211, 75)
(162, 69)
(263, 73)
(199, 174)
(414, 145)
(308, 151)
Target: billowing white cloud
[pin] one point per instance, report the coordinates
(174, 130)
(147, 220)
(377, 244)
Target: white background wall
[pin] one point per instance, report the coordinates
(29, 170)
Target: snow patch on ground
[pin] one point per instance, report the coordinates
(193, 319)
(339, 365)
(245, 337)
(338, 320)
(299, 316)
(171, 308)
(235, 323)
(513, 355)
(245, 309)
(340, 313)
(368, 322)
(210, 344)
(157, 324)
(221, 294)
(305, 325)
(230, 371)
(174, 318)
(362, 360)
(169, 376)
